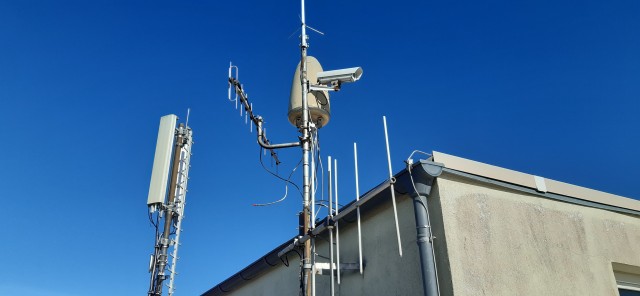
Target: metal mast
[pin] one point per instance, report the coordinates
(324, 81)
(306, 262)
(180, 201)
(170, 213)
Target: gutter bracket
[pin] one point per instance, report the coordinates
(425, 173)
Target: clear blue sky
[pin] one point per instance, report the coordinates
(550, 88)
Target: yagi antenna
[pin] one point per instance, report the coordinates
(243, 98)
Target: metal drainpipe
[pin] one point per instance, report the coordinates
(423, 176)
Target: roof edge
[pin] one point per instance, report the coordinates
(537, 183)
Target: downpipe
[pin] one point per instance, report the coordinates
(422, 176)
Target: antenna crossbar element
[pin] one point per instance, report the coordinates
(236, 76)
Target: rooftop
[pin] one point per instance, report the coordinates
(497, 176)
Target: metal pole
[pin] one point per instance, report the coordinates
(306, 264)
(355, 157)
(181, 197)
(335, 186)
(313, 216)
(422, 177)
(330, 216)
(425, 245)
(153, 264)
(168, 217)
(393, 193)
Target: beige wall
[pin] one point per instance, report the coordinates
(489, 241)
(503, 242)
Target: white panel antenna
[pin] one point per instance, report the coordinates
(162, 161)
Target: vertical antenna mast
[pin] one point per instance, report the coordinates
(168, 205)
(306, 262)
(181, 199)
(308, 118)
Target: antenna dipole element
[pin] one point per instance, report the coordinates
(355, 157)
(391, 181)
(330, 218)
(335, 186)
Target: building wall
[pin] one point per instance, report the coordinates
(503, 242)
(385, 273)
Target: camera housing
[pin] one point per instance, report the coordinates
(339, 76)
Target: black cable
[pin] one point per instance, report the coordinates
(323, 257)
(286, 263)
(151, 219)
(277, 176)
(297, 253)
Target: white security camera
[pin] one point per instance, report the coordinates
(339, 76)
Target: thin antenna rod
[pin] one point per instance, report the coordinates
(313, 191)
(330, 216)
(355, 157)
(335, 177)
(313, 218)
(391, 181)
(186, 124)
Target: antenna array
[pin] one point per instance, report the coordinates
(334, 268)
(166, 207)
(310, 83)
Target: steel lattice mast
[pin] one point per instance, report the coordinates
(173, 151)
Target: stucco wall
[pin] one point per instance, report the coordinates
(385, 272)
(502, 242)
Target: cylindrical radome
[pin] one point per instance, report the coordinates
(319, 105)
